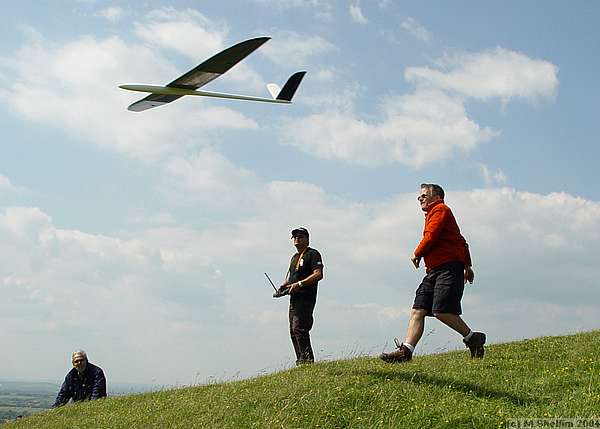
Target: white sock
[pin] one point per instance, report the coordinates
(409, 347)
(468, 336)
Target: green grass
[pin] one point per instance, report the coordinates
(544, 377)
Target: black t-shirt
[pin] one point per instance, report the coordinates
(310, 261)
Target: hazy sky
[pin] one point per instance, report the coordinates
(143, 237)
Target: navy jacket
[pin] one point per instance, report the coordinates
(91, 386)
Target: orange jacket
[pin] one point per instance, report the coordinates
(442, 241)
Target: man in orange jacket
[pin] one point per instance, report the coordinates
(448, 268)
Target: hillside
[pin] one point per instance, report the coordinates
(544, 377)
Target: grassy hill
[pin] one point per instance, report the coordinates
(543, 377)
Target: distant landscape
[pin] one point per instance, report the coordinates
(21, 399)
(24, 399)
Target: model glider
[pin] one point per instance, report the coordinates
(209, 70)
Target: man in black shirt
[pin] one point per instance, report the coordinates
(85, 381)
(306, 269)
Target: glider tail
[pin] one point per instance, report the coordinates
(289, 89)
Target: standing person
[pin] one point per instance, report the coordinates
(448, 268)
(85, 381)
(306, 269)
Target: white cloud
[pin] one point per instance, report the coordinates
(7, 186)
(292, 48)
(113, 13)
(357, 15)
(295, 3)
(327, 74)
(428, 125)
(335, 99)
(194, 35)
(59, 281)
(188, 32)
(74, 86)
(493, 73)
(178, 288)
(208, 173)
(416, 29)
(322, 8)
(415, 129)
(492, 178)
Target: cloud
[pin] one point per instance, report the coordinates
(357, 15)
(192, 34)
(296, 3)
(176, 288)
(416, 29)
(7, 186)
(492, 178)
(61, 280)
(292, 48)
(113, 13)
(199, 177)
(327, 74)
(415, 130)
(495, 73)
(188, 32)
(322, 8)
(73, 86)
(428, 125)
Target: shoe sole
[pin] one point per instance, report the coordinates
(393, 359)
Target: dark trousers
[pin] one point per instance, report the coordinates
(301, 322)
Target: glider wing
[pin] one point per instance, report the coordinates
(200, 75)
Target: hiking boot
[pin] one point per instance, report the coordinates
(401, 354)
(475, 344)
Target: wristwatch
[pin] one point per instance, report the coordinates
(300, 284)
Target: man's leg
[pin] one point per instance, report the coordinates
(300, 330)
(455, 322)
(447, 296)
(416, 326)
(293, 319)
(404, 351)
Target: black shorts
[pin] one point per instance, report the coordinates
(442, 289)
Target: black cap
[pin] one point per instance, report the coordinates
(300, 230)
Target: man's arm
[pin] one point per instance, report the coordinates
(99, 386)
(316, 275)
(64, 394)
(433, 228)
(469, 274)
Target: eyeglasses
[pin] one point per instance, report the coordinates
(298, 236)
(422, 197)
(79, 361)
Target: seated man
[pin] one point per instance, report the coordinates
(85, 381)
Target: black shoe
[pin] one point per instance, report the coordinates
(401, 354)
(475, 344)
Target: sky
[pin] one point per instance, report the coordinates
(143, 238)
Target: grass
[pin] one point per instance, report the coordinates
(539, 378)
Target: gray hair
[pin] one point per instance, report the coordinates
(79, 352)
(434, 189)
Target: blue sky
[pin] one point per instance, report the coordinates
(147, 234)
